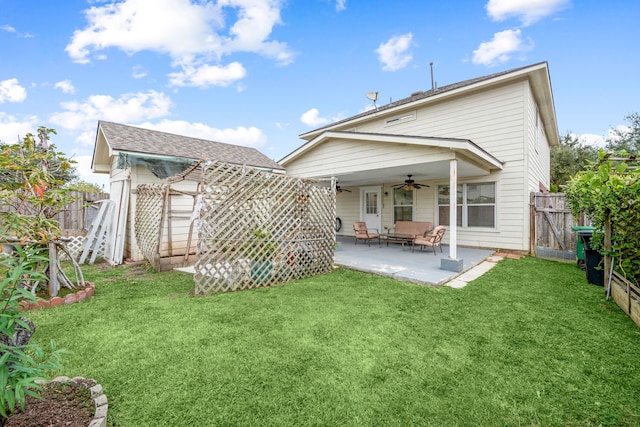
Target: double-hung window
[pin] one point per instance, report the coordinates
(402, 205)
(476, 205)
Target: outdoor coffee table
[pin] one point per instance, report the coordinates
(398, 238)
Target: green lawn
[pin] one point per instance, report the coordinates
(528, 344)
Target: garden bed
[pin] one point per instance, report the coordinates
(76, 402)
(627, 295)
(72, 297)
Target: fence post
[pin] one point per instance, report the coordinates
(532, 224)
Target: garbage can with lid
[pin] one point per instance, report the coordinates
(580, 244)
(592, 259)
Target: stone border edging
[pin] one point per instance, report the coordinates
(81, 295)
(98, 397)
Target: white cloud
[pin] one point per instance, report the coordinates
(528, 11)
(208, 75)
(11, 91)
(592, 139)
(256, 19)
(13, 129)
(138, 72)
(245, 136)
(176, 27)
(394, 53)
(65, 86)
(341, 5)
(10, 29)
(501, 48)
(128, 108)
(190, 33)
(312, 118)
(83, 167)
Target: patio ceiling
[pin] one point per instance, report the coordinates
(430, 162)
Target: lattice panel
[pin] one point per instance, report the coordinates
(148, 220)
(260, 229)
(75, 246)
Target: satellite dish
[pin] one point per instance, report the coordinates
(373, 96)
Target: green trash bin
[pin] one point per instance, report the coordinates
(580, 244)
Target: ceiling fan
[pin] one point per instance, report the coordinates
(410, 184)
(340, 189)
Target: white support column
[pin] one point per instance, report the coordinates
(453, 208)
(452, 263)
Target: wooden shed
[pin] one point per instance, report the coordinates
(134, 156)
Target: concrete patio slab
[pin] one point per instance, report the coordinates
(397, 261)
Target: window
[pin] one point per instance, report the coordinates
(537, 131)
(402, 205)
(371, 202)
(476, 205)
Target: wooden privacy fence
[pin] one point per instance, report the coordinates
(551, 227)
(258, 228)
(78, 214)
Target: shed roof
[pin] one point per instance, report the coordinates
(136, 140)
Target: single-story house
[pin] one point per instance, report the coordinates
(489, 137)
(133, 156)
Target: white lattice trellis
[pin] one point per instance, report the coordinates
(75, 246)
(259, 228)
(148, 220)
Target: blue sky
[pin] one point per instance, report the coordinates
(261, 72)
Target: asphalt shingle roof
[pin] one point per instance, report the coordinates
(145, 141)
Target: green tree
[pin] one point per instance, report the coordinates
(610, 192)
(568, 158)
(627, 139)
(32, 193)
(87, 187)
(61, 168)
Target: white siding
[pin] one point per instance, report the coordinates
(348, 207)
(336, 157)
(179, 226)
(498, 120)
(538, 149)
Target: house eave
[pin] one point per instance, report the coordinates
(463, 146)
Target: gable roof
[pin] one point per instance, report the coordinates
(538, 75)
(121, 138)
(464, 146)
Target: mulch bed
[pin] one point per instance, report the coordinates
(62, 404)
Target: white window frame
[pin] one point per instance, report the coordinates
(465, 205)
(393, 204)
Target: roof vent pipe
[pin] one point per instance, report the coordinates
(433, 84)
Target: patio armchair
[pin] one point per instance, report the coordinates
(364, 233)
(432, 238)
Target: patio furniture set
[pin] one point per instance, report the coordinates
(416, 233)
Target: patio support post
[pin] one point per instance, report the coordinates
(453, 208)
(452, 263)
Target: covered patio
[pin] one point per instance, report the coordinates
(399, 262)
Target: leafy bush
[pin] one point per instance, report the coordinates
(32, 178)
(21, 363)
(611, 191)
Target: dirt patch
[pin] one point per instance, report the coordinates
(62, 404)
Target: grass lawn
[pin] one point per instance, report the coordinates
(528, 344)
